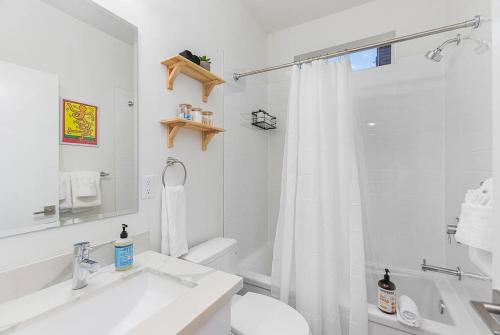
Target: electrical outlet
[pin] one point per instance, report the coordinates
(148, 182)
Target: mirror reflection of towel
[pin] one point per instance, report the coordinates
(65, 201)
(87, 186)
(85, 189)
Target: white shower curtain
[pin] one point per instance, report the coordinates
(318, 261)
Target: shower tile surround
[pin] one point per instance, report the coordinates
(429, 142)
(468, 122)
(400, 110)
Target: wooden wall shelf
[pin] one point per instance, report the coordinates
(174, 125)
(179, 64)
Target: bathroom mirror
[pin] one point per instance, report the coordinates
(68, 81)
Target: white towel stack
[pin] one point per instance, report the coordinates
(65, 203)
(475, 227)
(173, 221)
(408, 312)
(85, 189)
(79, 190)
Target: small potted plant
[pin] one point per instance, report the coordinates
(205, 62)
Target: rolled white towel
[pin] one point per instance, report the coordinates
(408, 312)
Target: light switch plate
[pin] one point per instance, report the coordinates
(148, 182)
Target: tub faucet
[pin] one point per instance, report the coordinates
(83, 266)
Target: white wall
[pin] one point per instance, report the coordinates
(222, 29)
(374, 18)
(496, 133)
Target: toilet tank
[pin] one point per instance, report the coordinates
(218, 253)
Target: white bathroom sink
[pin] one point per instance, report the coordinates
(114, 309)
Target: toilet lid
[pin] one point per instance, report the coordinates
(257, 314)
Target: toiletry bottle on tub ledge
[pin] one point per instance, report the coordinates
(387, 294)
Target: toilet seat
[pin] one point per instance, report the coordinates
(257, 314)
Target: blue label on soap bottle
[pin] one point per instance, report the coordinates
(124, 257)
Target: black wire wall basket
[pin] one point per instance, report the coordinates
(263, 120)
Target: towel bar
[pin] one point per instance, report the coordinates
(172, 161)
(452, 272)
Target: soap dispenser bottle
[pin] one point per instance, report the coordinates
(387, 294)
(124, 251)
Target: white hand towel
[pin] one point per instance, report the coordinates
(173, 221)
(65, 202)
(475, 227)
(87, 186)
(83, 182)
(408, 312)
(62, 187)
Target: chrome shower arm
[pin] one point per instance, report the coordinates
(457, 40)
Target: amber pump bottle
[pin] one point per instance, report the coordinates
(387, 294)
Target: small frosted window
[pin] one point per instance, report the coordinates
(371, 58)
(362, 60)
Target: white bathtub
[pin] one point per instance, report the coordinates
(426, 289)
(256, 271)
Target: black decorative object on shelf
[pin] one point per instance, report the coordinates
(263, 120)
(189, 55)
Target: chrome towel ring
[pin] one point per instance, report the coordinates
(170, 162)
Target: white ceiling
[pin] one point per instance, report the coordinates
(278, 14)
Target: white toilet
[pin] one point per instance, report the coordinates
(251, 314)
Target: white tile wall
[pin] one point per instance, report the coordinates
(245, 166)
(400, 111)
(468, 121)
(403, 153)
(432, 138)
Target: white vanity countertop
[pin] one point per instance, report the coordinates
(212, 289)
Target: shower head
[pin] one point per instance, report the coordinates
(436, 55)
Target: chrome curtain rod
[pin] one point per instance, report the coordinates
(473, 23)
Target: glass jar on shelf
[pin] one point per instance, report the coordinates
(207, 118)
(197, 115)
(185, 112)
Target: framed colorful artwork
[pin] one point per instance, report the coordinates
(79, 123)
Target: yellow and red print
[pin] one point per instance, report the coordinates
(79, 123)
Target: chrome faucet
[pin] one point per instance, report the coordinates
(83, 266)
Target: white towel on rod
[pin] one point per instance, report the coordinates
(408, 312)
(173, 221)
(482, 259)
(65, 202)
(83, 184)
(475, 227)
